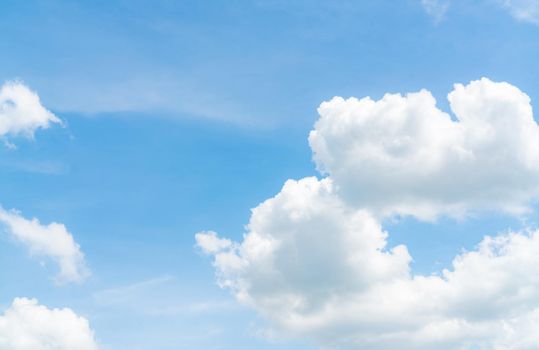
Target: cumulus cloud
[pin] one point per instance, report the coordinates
(303, 246)
(403, 155)
(210, 243)
(26, 325)
(315, 259)
(21, 114)
(523, 10)
(21, 111)
(52, 241)
(318, 268)
(276, 255)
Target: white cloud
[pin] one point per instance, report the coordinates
(210, 243)
(318, 268)
(523, 10)
(21, 114)
(26, 325)
(436, 8)
(302, 246)
(52, 240)
(315, 260)
(21, 111)
(403, 155)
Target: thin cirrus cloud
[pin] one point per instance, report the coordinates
(315, 259)
(521, 10)
(159, 296)
(27, 325)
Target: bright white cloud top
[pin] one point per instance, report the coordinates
(315, 259)
(403, 155)
(52, 241)
(26, 325)
(21, 111)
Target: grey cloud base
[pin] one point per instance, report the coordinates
(315, 260)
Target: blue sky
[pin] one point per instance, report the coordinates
(181, 116)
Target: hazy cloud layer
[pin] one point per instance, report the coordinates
(315, 260)
(436, 8)
(523, 10)
(26, 325)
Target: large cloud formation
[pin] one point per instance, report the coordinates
(403, 155)
(315, 260)
(26, 325)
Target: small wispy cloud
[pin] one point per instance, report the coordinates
(523, 10)
(126, 294)
(42, 167)
(436, 8)
(152, 297)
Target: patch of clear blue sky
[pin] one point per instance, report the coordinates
(182, 115)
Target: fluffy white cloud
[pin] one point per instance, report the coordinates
(53, 241)
(21, 112)
(278, 262)
(302, 247)
(315, 260)
(210, 243)
(403, 155)
(523, 10)
(26, 325)
(318, 268)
